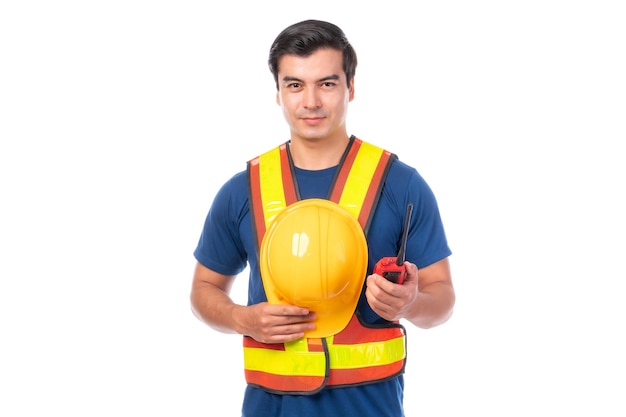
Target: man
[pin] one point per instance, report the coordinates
(313, 65)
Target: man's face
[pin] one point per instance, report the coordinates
(313, 94)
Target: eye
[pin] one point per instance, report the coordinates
(293, 86)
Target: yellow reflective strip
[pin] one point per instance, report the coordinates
(281, 362)
(270, 177)
(360, 178)
(367, 354)
(298, 345)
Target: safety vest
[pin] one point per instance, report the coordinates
(358, 354)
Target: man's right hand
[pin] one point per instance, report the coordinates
(274, 323)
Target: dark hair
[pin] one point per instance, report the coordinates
(308, 36)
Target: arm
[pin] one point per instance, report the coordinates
(211, 303)
(426, 298)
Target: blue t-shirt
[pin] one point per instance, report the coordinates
(227, 246)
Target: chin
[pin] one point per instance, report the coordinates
(313, 134)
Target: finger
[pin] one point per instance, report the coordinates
(289, 310)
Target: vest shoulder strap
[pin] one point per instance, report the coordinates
(357, 184)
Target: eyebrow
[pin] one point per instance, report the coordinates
(332, 77)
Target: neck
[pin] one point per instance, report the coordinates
(317, 154)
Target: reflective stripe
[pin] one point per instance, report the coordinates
(366, 354)
(285, 362)
(295, 359)
(300, 361)
(299, 345)
(360, 178)
(272, 197)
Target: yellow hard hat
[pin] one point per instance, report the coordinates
(314, 255)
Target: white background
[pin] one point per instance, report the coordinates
(119, 120)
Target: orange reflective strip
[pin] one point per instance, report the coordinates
(251, 343)
(370, 373)
(256, 208)
(288, 181)
(293, 384)
(355, 333)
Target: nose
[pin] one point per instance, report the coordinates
(311, 99)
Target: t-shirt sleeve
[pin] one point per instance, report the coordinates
(427, 241)
(220, 247)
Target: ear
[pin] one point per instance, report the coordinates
(351, 88)
(278, 97)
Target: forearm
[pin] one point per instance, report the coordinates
(432, 306)
(211, 302)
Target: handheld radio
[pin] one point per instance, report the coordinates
(392, 267)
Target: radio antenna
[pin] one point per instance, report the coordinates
(405, 233)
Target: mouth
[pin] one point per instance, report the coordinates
(313, 120)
